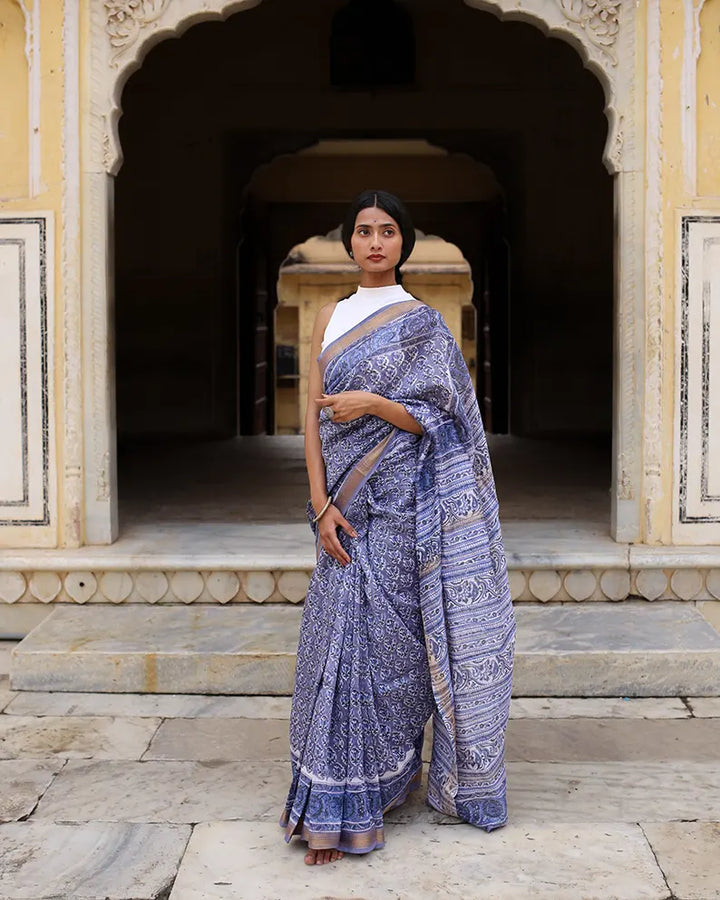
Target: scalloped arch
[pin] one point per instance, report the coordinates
(612, 43)
(590, 28)
(126, 30)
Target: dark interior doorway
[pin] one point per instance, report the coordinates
(198, 251)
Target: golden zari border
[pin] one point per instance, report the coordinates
(360, 471)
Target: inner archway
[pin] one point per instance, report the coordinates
(500, 95)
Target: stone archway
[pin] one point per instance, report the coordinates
(121, 35)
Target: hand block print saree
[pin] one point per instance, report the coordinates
(420, 623)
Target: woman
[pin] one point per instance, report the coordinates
(408, 612)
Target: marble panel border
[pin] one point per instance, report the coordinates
(677, 579)
(696, 508)
(33, 237)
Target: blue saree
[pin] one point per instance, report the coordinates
(420, 623)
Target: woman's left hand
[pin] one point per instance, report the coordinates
(348, 405)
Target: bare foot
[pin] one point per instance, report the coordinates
(320, 857)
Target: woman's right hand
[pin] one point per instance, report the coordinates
(328, 524)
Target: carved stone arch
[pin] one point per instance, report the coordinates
(130, 29)
(603, 32)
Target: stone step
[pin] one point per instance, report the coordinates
(634, 649)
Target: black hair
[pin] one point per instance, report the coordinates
(395, 208)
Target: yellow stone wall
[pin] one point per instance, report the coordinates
(14, 145)
(30, 185)
(689, 161)
(708, 102)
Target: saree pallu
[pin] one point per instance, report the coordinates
(420, 623)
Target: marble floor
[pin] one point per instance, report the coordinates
(142, 797)
(263, 479)
(248, 495)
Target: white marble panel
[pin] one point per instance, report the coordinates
(97, 861)
(26, 366)
(167, 706)
(697, 418)
(425, 862)
(179, 792)
(74, 737)
(23, 782)
(598, 708)
(687, 853)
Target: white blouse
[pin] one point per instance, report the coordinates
(364, 302)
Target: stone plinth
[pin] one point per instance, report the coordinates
(600, 649)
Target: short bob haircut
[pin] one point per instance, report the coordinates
(395, 208)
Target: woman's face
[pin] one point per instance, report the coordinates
(376, 240)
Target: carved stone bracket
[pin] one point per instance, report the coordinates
(600, 20)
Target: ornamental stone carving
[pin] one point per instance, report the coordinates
(600, 19)
(125, 19)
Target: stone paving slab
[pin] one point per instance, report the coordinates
(175, 792)
(598, 708)
(189, 792)
(75, 737)
(98, 861)
(243, 860)
(65, 703)
(209, 739)
(613, 791)
(705, 707)
(528, 740)
(33, 703)
(6, 695)
(601, 740)
(577, 792)
(597, 649)
(23, 782)
(687, 853)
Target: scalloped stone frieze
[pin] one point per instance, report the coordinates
(290, 586)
